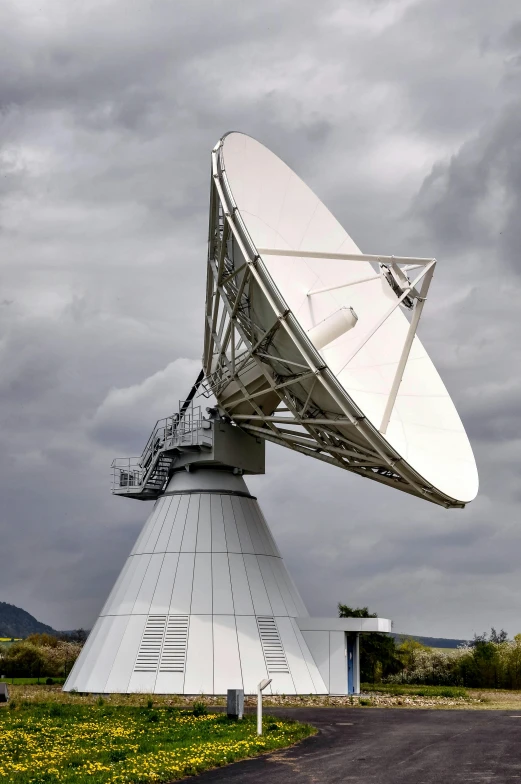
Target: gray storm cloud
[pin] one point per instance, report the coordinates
(405, 118)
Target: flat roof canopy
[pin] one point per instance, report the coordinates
(344, 624)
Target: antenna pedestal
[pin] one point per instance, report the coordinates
(205, 604)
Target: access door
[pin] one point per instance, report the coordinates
(350, 648)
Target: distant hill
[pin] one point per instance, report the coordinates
(15, 622)
(431, 642)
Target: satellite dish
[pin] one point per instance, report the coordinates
(312, 344)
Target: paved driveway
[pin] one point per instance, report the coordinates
(386, 746)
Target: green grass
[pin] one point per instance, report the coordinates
(31, 681)
(419, 691)
(50, 742)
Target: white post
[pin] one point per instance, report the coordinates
(262, 685)
(356, 664)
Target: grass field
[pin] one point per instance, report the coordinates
(31, 681)
(420, 691)
(49, 737)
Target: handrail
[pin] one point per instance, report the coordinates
(179, 429)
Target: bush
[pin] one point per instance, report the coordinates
(493, 663)
(199, 708)
(38, 656)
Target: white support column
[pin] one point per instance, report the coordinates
(356, 664)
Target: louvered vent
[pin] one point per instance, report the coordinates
(272, 645)
(151, 644)
(173, 655)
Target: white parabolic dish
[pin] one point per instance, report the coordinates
(425, 435)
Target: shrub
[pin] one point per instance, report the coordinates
(199, 708)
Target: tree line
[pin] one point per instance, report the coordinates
(41, 655)
(489, 661)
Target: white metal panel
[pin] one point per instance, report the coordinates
(318, 644)
(233, 544)
(83, 663)
(345, 624)
(259, 545)
(168, 524)
(274, 595)
(270, 548)
(202, 587)
(126, 604)
(250, 649)
(208, 481)
(165, 584)
(218, 535)
(119, 586)
(148, 586)
(258, 592)
(150, 543)
(274, 548)
(297, 599)
(169, 683)
(147, 527)
(182, 593)
(282, 684)
(314, 672)
(192, 519)
(242, 601)
(142, 682)
(104, 652)
(258, 522)
(199, 660)
(297, 663)
(222, 589)
(242, 528)
(227, 663)
(123, 665)
(204, 528)
(337, 663)
(279, 571)
(178, 527)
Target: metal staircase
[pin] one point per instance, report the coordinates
(146, 477)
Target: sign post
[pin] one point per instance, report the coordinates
(260, 688)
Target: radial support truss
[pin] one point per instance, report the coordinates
(268, 377)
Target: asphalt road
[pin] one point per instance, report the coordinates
(386, 746)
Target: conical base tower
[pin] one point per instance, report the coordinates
(203, 604)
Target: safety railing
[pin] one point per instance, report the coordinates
(129, 474)
(126, 473)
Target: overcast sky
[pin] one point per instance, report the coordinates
(405, 117)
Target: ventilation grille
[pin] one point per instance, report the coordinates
(163, 645)
(173, 655)
(151, 643)
(272, 645)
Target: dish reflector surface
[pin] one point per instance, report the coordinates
(281, 212)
